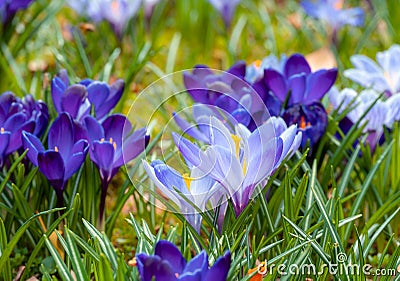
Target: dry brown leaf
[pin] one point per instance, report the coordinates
(321, 58)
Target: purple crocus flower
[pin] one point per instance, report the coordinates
(168, 264)
(383, 76)
(64, 156)
(78, 99)
(17, 115)
(8, 8)
(227, 91)
(241, 161)
(300, 91)
(196, 187)
(332, 12)
(113, 144)
(226, 8)
(374, 120)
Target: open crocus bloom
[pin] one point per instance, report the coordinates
(383, 76)
(78, 99)
(64, 156)
(168, 264)
(300, 91)
(241, 161)
(196, 187)
(332, 12)
(378, 112)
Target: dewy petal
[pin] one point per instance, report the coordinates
(52, 167)
(220, 269)
(61, 135)
(93, 128)
(72, 99)
(318, 84)
(34, 146)
(296, 64)
(276, 83)
(169, 252)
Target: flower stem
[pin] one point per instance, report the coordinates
(104, 186)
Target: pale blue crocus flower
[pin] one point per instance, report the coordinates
(378, 112)
(383, 76)
(196, 187)
(242, 160)
(332, 12)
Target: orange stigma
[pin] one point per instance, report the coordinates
(303, 123)
(56, 149)
(257, 63)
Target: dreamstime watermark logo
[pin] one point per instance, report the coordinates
(339, 268)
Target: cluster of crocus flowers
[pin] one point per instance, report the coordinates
(232, 166)
(83, 124)
(333, 13)
(383, 76)
(8, 8)
(286, 88)
(168, 264)
(18, 115)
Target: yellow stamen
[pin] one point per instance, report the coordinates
(115, 145)
(177, 275)
(187, 179)
(244, 167)
(56, 149)
(236, 140)
(2, 130)
(111, 140)
(257, 63)
(102, 140)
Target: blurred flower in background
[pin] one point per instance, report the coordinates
(333, 13)
(366, 108)
(8, 8)
(116, 12)
(226, 8)
(168, 264)
(383, 76)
